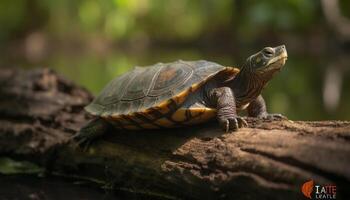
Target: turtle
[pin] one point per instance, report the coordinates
(183, 93)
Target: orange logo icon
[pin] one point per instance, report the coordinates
(307, 188)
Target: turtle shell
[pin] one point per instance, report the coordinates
(154, 91)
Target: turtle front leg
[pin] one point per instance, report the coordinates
(225, 103)
(257, 108)
(92, 130)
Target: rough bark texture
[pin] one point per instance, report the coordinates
(40, 111)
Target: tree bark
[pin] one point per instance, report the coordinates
(40, 111)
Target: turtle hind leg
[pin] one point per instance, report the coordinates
(92, 130)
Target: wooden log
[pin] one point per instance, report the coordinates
(40, 111)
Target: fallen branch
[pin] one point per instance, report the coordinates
(40, 111)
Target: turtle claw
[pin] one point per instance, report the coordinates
(233, 124)
(243, 122)
(274, 116)
(278, 116)
(227, 126)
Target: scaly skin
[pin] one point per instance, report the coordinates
(225, 102)
(246, 87)
(257, 108)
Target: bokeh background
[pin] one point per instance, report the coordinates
(92, 41)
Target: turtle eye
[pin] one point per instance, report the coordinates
(268, 52)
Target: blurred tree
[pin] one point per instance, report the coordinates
(92, 41)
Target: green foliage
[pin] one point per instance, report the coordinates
(11, 17)
(171, 19)
(92, 41)
(287, 15)
(10, 166)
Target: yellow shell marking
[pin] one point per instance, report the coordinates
(165, 122)
(200, 115)
(163, 107)
(179, 115)
(179, 118)
(197, 115)
(232, 70)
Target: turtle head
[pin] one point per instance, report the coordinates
(268, 60)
